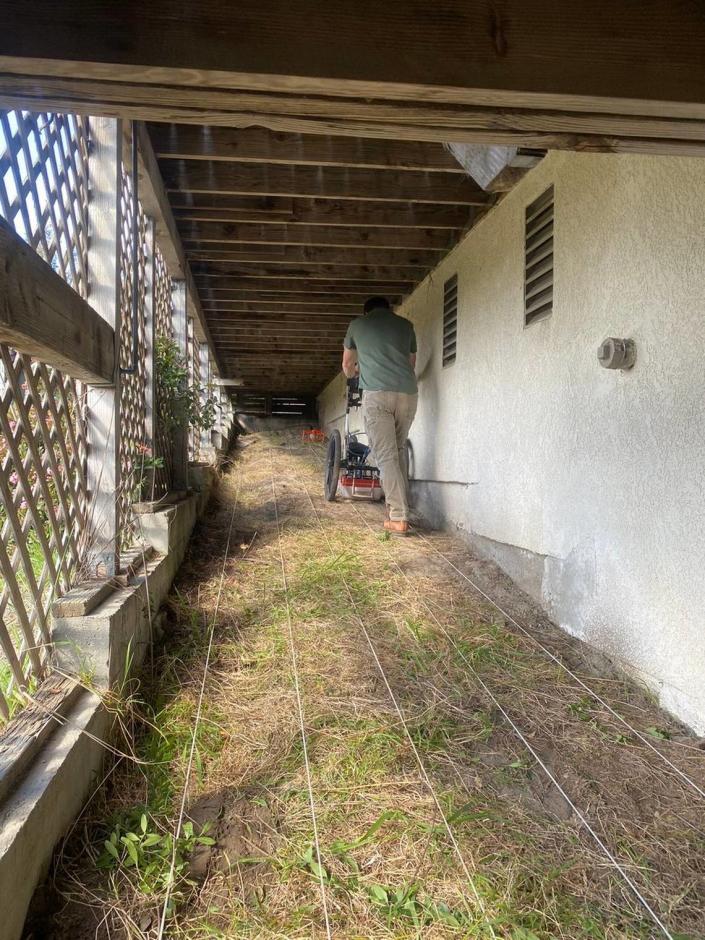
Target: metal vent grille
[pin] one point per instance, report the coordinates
(538, 258)
(450, 319)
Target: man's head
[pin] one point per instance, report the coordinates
(375, 303)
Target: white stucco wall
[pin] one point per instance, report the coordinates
(599, 475)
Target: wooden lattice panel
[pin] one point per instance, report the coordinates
(164, 417)
(163, 298)
(43, 500)
(44, 187)
(134, 447)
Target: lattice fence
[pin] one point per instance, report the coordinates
(164, 416)
(44, 187)
(135, 456)
(44, 197)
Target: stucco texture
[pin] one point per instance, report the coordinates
(597, 474)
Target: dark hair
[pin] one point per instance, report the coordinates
(374, 303)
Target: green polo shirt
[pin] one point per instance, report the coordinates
(384, 343)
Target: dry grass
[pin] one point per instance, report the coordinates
(390, 870)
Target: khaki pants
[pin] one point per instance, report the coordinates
(388, 417)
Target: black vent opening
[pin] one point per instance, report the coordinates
(538, 258)
(450, 320)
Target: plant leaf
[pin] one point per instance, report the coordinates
(379, 894)
(112, 850)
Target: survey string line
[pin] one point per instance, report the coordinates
(559, 662)
(404, 725)
(529, 747)
(300, 708)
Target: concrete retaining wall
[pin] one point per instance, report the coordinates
(584, 484)
(98, 647)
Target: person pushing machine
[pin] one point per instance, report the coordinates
(382, 346)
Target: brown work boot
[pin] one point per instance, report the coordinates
(396, 526)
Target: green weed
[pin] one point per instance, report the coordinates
(145, 855)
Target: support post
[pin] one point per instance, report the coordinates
(150, 391)
(206, 435)
(103, 404)
(180, 438)
(224, 417)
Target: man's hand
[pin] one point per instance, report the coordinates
(350, 367)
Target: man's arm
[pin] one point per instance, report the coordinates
(412, 361)
(349, 362)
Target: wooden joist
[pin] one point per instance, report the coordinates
(266, 292)
(285, 320)
(284, 344)
(304, 271)
(315, 254)
(42, 316)
(227, 308)
(217, 312)
(223, 234)
(202, 207)
(278, 331)
(330, 182)
(294, 284)
(258, 327)
(257, 145)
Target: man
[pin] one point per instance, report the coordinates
(383, 346)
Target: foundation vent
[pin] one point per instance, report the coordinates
(450, 319)
(538, 258)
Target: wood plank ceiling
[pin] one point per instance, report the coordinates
(288, 234)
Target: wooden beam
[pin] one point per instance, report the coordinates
(672, 127)
(197, 176)
(592, 133)
(202, 207)
(331, 113)
(258, 145)
(459, 52)
(222, 234)
(25, 737)
(315, 254)
(42, 316)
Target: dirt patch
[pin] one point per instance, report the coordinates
(245, 833)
